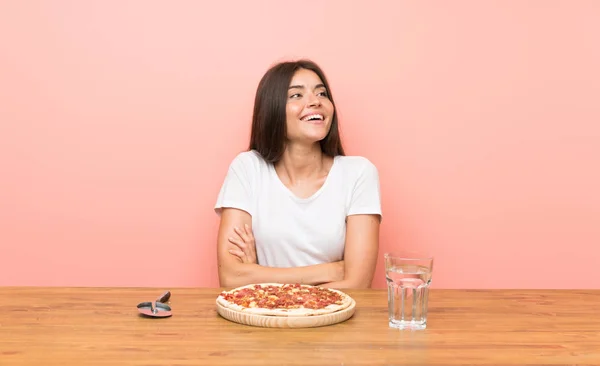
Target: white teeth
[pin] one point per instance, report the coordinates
(313, 117)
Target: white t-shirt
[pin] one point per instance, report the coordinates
(290, 231)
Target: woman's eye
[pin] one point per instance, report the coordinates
(295, 95)
(323, 94)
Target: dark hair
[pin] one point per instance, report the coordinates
(269, 117)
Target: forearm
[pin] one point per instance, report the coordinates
(350, 279)
(245, 273)
(347, 284)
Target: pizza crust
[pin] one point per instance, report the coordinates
(332, 308)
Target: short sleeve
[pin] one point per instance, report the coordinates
(366, 195)
(236, 191)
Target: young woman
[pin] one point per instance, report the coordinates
(294, 208)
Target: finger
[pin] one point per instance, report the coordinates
(239, 243)
(237, 253)
(252, 244)
(248, 231)
(241, 233)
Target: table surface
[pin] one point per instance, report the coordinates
(87, 326)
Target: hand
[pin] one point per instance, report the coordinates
(245, 245)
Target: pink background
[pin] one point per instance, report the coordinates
(118, 120)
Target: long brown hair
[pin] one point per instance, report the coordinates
(269, 118)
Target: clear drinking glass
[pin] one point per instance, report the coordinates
(408, 278)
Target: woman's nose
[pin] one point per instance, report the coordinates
(313, 100)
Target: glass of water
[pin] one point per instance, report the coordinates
(408, 278)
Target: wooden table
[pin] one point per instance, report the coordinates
(89, 326)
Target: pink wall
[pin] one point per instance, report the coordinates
(118, 121)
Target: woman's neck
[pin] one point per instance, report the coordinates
(300, 163)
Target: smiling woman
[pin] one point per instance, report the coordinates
(294, 208)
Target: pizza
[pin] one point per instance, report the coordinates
(275, 299)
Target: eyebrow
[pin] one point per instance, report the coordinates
(302, 86)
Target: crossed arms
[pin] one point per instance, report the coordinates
(237, 265)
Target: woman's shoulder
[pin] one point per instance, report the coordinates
(355, 163)
(249, 160)
(356, 169)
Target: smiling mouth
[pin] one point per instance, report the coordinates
(313, 117)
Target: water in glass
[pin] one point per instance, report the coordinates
(408, 290)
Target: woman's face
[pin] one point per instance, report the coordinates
(309, 110)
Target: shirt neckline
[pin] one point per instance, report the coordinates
(314, 195)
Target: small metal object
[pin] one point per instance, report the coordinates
(157, 308)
